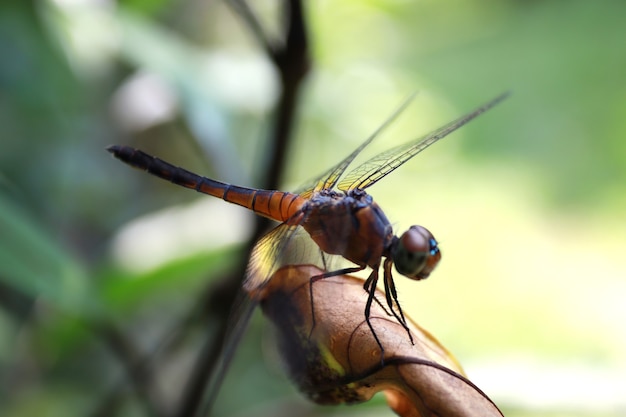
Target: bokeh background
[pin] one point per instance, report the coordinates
(100, 263)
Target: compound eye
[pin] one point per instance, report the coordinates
(416, 254)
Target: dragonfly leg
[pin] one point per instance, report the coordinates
(382, 306)
(326, 267)
(392, 297)
(316, 278)
(370, 287)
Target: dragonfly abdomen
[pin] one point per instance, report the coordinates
(276, 205)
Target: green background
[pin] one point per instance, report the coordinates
(527, 202)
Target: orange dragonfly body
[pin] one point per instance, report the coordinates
(339, 216)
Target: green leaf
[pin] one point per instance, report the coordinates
(33, 262)
(122, 289)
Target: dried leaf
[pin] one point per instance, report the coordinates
(335, 359)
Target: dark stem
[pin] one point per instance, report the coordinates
(292, 62)
(141, 376)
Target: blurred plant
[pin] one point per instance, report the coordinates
(86, 302)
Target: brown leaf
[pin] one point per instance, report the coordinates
(337, 360)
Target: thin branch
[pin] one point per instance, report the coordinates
(292, 63)
(141, 376)
(244, 11)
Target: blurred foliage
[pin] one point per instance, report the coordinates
(186, 81)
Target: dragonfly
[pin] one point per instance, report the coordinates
(336, 212)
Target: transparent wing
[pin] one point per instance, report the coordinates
(268, 255)
(378, 167)
(330, 177)
(238, 320)
(285, 244)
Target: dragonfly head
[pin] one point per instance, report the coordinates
(416, 254)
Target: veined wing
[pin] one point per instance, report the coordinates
(283, 245)
(239, 317)
(378, 167)
(268, 255)
(329, 179)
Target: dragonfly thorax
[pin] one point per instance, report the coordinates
(329, 193)
(349, 224)
(416, 253)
